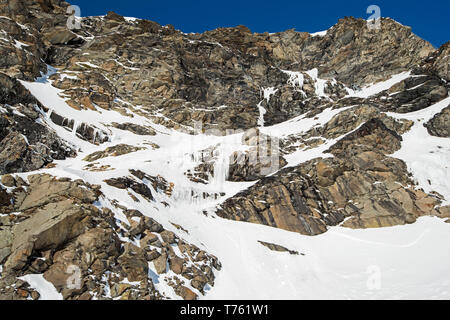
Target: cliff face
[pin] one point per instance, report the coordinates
(120, 139)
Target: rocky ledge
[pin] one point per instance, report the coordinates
(360, 187)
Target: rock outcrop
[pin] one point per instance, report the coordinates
(115, 151)
(188, 77)
(438, 62)
(278, 248)
(361, 187)
(26, 143)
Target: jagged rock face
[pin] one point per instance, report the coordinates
(278, 248)
(342, 124)
(337, 190)
(438, 62)
(372, 135)
(57, 230)
(12, 92)
(21, 51)
(187, 77)
(348, 47)
(442, 62)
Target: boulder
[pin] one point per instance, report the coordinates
(278, 248)
(186, 293)
(48, 228)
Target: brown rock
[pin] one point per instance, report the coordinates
(86, 296)
(23, 293)
(134, 263)
(50, 227)
(61, 36)
(444, 212)
(278, 248)
(149, 239)
(168, 237)
(186, 293)
(118, 289)
(45, 189)
(35, 295)
(176, 264)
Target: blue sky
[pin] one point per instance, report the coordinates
(428, 19)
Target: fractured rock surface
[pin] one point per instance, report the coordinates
(57, 230)
(361, 187)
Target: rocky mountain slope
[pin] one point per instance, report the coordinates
(140, 162)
